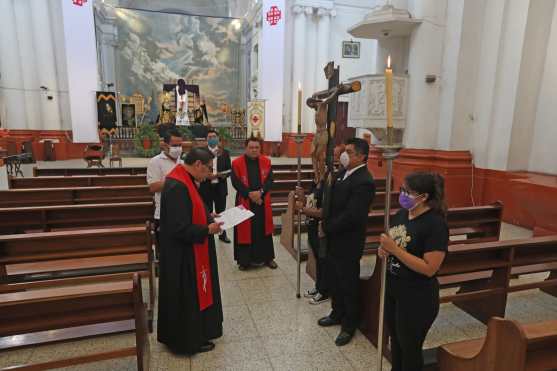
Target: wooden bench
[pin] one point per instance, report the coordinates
(74, 195)
(48, 218)
(77, 181)
(507, 346)
(63, 314)
(482, 274)
(89, 171)
(40, 259)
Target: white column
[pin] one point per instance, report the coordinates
(310, 62)
(11, 78)
(28, 60)
(298, 60)
(323, 29)
(46, 68)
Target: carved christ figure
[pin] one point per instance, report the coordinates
(319, 102)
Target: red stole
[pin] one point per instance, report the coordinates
(240, 169)
(200, 250)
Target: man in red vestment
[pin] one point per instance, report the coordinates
(252, 178)
(190, 308)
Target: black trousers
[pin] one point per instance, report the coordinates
(322, 275)
(218, 200)
(345, 279)
(410, 310)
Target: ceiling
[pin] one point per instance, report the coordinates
(217, 8)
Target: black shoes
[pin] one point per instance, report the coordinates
(272, 264)
(328, 321)
(343, 338)
(224, 238)
(207, 347)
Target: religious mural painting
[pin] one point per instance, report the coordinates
(160, 48)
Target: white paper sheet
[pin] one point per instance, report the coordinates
(233, 216)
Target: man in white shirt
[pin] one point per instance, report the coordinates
(162, 164)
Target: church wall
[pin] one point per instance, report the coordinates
(31, 40)
(538, 28)
(425, 57)
(543, 156)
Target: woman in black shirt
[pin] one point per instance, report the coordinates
(414, 250)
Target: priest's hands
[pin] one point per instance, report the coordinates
(214, 228)
(255, 197)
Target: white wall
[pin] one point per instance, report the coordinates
(30, 49)
(544, 149)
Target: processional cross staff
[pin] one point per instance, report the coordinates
(324, 103)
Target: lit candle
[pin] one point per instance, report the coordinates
(389, 92)
(299, 108)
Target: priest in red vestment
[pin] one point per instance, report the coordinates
(253, 179)
(190, 308)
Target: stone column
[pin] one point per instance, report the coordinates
(11, 78)
(27, 59)
(323, 30)
(298, 60)
(46, 68)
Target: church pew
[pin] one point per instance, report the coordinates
(481, 271)
(466, 225)
(89, 171)
(71, 313)
(290, 167)
(77, 181)
(507, 346)
(74, 195)
(40, 259)
(47, 218)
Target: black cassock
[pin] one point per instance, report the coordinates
(181, 325)
(261, 249)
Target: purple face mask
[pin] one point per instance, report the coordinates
(406, 201)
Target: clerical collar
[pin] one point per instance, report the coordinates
(350, 172)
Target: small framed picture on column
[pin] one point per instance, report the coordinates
(350, 49)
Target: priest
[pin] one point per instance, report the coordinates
(190, 308)
(252, 178)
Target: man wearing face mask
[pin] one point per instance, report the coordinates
(215, 189)
(352, 193)
(162, 164)
(190, 308)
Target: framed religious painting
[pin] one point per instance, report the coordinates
(128, 115)
(350, 49)
(106, 111)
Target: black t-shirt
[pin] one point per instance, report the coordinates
(428, 232)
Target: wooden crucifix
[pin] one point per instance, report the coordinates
(324, 140)
(325, 105)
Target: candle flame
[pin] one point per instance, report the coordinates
(299, 86)
(389, 61)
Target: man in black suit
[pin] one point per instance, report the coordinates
(352, 192)
(215, 189)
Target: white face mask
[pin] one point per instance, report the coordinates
(344, 159)
(175, 152)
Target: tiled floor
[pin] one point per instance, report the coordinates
(267, 328)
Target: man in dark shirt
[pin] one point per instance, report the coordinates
(344, 225)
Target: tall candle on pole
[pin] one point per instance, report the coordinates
(390, 152)
(299, 108)
(389, 99)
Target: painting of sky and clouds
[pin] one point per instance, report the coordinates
(157, 48)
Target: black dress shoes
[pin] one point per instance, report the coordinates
(272, 264)
(328, 321)
(224, 238)
(207, 347)
(343, 338)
